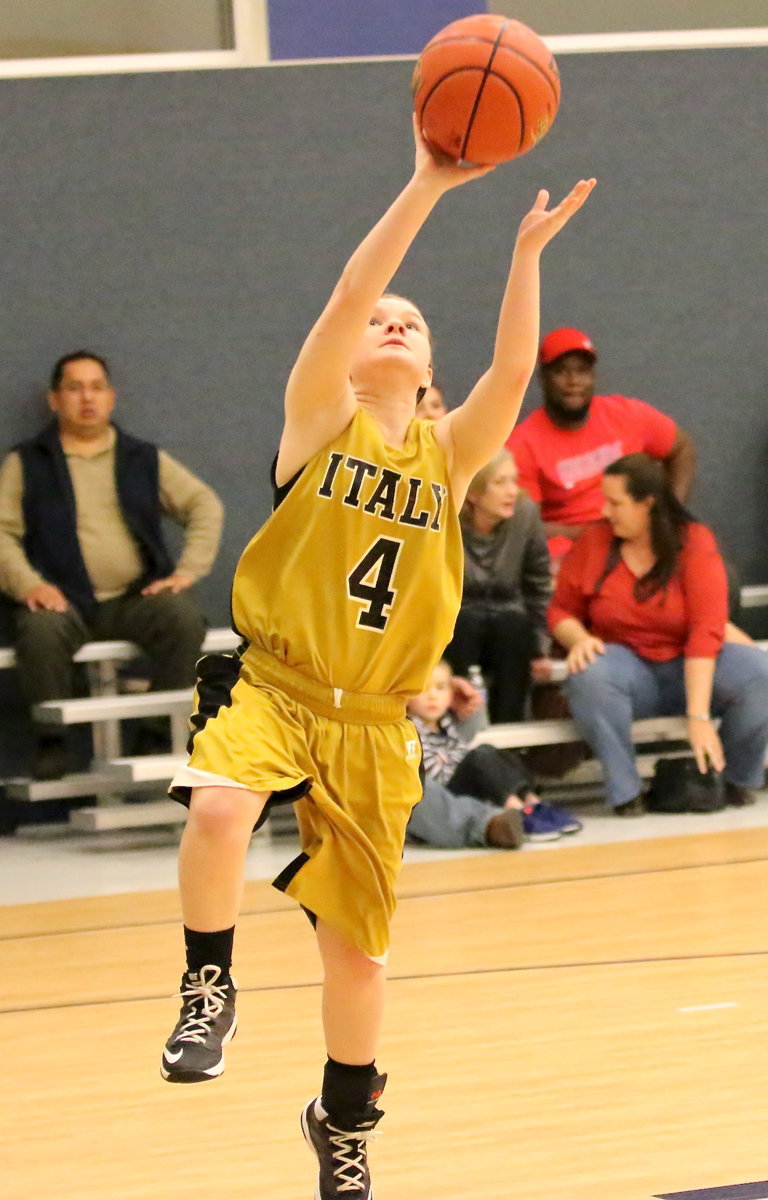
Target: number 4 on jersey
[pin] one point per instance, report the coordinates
(370, 583)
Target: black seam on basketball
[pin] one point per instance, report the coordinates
(532, 63)
(481, 89)
(441, 80)
(512, 50)
(521, 108)
(516, 94)
(501, 79)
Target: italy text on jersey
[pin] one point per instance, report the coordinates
(420, 504)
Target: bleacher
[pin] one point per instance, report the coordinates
(117, 780)
(112, 776)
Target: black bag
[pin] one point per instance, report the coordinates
(678, 786)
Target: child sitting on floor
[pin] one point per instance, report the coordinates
(484, 772)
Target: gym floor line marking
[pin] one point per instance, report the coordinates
(508, 885)
(512, 885)
(734, 1191)
(708, 1007)
(470, 973)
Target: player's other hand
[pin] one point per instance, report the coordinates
(541, 224)
(433, 165)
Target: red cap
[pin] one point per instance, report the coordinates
(565, 341)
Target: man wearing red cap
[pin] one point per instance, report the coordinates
(562, 448)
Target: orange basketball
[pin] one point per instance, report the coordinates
(485, 89)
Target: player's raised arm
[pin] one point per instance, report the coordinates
(473, 433)
(319, 400)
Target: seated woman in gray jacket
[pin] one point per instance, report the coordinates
(502, 623)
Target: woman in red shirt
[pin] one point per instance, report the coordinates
(641, 607)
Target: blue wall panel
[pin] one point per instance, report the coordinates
(356, 28)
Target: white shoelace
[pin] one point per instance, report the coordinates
(352, 1169)
(213, 997)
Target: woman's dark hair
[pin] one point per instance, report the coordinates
(645, 478)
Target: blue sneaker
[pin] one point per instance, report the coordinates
(538, 827)
(560, 818)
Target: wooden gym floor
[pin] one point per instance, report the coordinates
(580, 1025)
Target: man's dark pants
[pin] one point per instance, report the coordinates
(169, 630)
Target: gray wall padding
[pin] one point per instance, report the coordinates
(190, 226)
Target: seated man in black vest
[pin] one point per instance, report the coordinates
(82, 551)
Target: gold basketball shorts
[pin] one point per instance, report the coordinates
(353, 762)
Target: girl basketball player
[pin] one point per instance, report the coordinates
(345, 600)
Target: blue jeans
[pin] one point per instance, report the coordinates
(620, 687)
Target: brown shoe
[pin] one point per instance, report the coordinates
(632, 808)
(739, 797)
(505, 829)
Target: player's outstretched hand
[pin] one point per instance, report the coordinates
(541, 224)
(432, 164)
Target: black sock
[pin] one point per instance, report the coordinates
(209, 949)
(350, 1092)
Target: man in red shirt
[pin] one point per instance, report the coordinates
(562, 449)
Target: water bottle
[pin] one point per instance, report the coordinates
(479, 720)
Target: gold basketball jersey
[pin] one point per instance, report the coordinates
(355, 579)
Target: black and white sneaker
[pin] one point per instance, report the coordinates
(207, 1021)
(341, 1153)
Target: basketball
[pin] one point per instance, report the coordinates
(485, 89)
